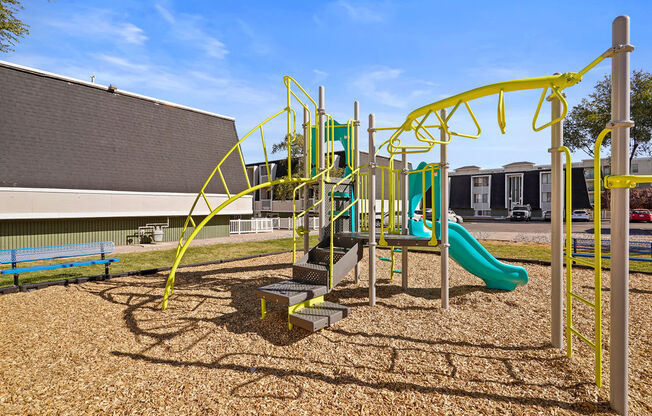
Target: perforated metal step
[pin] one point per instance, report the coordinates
(290, 292)
(319, 316)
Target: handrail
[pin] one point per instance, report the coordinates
(432, 167)
(169, 286)
(288, 81)
(295, 216)
(217, 169)
(363, 178)
(334, 217)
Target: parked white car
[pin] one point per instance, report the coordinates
(452, 216)
(580, 215)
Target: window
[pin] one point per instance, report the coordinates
(545, 178)
(485, 198)
(546, 196)
(607, 170)
(483, 213)
(635, 168)
(588, 173)
(481, 181)
(477, 198)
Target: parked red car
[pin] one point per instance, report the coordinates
(642, 215)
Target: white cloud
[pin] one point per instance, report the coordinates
(187, 28)
(101, 23)
(122, 63)
(131, 33)
(165, 13)
(257, 44)
(213, 47)
(373, 83)
(359, 12)
(319, 75)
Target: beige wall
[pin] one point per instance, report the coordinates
(35, 203)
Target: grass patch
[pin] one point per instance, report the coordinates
(201, 254)
(157, 258)
(541, 252)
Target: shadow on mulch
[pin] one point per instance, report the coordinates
(147, 295)
(583, 407)
(223, 285)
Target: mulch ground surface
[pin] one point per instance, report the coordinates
(107, 348)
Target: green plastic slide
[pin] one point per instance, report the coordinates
(464, 248)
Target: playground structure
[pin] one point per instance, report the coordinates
(348, 206)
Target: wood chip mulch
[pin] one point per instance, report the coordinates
(107, 348)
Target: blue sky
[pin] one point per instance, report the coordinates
(393, 56)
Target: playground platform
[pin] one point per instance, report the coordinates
(396, 240)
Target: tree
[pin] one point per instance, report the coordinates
(640, 198)
(586, 120)
(284, 191)
(11, 28)
(297, 151)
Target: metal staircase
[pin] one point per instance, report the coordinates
(312, 277)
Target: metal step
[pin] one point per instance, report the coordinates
(291, 292)
(319, 316)
(322, 255)
(311, 273)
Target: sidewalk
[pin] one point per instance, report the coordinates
(233, 238)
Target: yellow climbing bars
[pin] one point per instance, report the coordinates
(429, 169)
(596, 344)
(625, 181)
(416, 120)
(307, 104)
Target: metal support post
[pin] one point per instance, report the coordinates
(557, 222)
(306, 188)
(322, 162)
(404, 221)
(372, 211)
(619, 327)
(356, 164)
(13, 266)
(106, 267)
(443, 196)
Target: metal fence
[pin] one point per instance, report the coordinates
(254, 225)
(286, 223)
(267, 225)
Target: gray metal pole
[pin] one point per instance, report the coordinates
(557, 222)
(322, 161)
(306, 189)
(372, 211)
(356, 164)
(404, 221)
(443, 195)
(619, 327)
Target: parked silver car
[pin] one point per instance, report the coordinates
(580, 215)
(452, 216)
